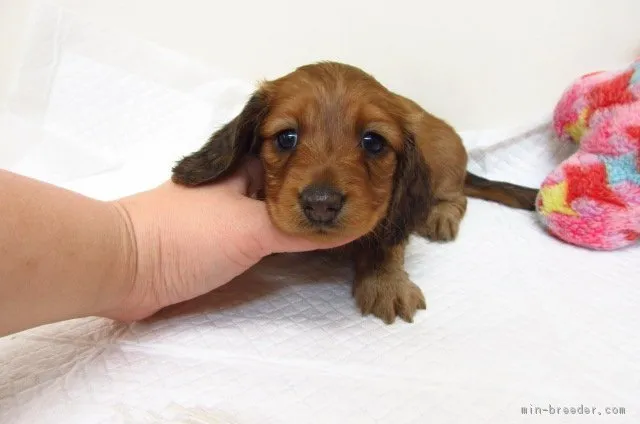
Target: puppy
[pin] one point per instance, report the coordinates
(345, 157)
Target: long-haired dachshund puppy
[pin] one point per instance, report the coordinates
(345, 157)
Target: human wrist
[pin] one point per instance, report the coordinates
(118, 288)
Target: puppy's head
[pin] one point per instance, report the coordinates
(338, 153)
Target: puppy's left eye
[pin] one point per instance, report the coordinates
(287, 139)
(373, 143)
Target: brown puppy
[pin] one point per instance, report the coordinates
(344, 156)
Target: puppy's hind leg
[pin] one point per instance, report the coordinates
(449, 201)
(443, 220)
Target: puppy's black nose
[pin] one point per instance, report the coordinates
(321, 204)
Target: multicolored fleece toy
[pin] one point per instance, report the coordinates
(593, 198)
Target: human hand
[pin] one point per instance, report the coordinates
(190, 241)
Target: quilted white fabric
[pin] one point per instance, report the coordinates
(515, 318)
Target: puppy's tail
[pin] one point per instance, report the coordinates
(512, 195)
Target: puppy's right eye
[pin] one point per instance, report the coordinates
(373, 142)
(287, 139)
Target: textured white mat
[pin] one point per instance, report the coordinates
(516, 319)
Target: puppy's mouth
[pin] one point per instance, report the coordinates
(317, 212)
(329, 227)
(325, 230)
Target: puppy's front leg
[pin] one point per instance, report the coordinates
(382, 287)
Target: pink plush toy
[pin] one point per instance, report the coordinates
(593, 198)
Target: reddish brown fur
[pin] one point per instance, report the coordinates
(415, 185)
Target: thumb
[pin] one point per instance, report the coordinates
(273, 240)
(247, 179)
(281, 242)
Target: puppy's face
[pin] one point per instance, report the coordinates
(329, 146)
(333, 143)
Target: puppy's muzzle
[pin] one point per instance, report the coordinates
(321, 204)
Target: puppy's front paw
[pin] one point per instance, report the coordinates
(443, 222)
(394, 296)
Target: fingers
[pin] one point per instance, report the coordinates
(283, 243)
(271, 239)
(247, 179)
(255, 171)
(237, 182)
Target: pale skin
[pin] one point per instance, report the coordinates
(66, 256)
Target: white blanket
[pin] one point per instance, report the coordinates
(515, 318)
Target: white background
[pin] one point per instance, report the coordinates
(479, 64)
(515, 317)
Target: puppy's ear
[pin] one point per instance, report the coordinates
(226, 148)
(411, 197)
